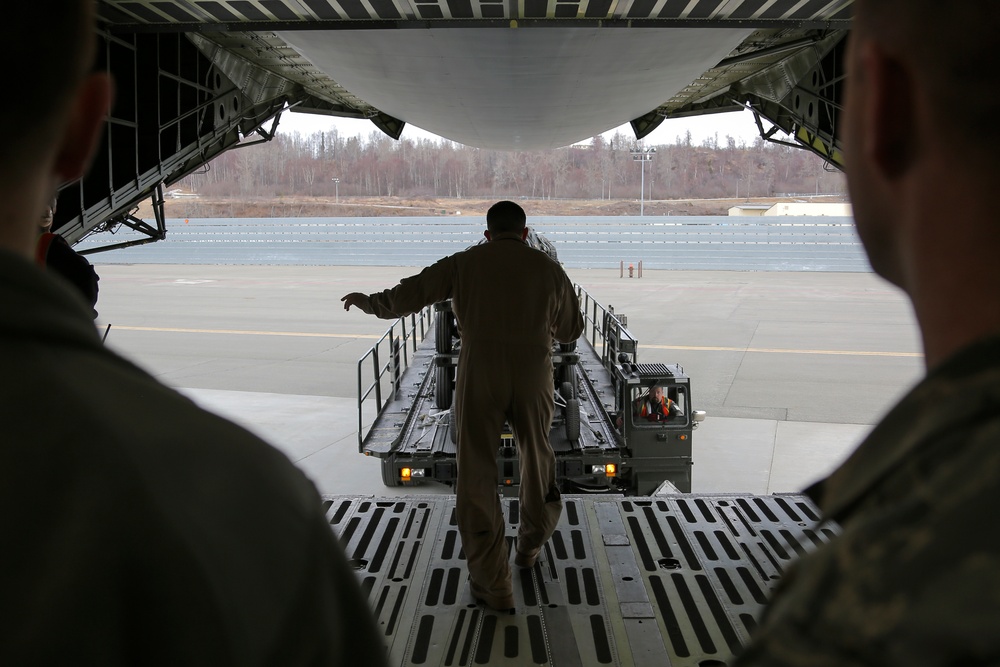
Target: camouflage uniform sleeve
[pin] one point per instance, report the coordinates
(914, 579)
(431, 285)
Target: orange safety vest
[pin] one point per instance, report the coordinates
(648, 406)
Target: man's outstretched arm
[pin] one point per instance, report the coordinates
(431, 285)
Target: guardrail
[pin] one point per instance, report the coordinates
(395, 346)
(605, 327)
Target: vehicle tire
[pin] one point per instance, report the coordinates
(567, 391)
(389, 473)
(567, 375)
(452, 426)
(442, 332)
(573, 420)
(443, 390)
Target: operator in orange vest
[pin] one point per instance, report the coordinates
(655, 406)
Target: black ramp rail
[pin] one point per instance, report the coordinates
(665, 580)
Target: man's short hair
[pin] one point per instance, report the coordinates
(505, 217)
(55, 37)
(953, 46)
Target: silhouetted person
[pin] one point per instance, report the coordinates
(55, 254)
(914, 578)
(511, 302)
(138, 528)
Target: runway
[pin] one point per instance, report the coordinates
(793, 368)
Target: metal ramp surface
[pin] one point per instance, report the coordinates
(666, 580)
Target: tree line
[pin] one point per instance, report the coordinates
(378, 166)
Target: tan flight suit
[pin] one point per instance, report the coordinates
(510, 301)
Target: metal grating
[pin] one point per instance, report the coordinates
(653, 370)
(673, 580)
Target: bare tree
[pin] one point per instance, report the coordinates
(378, 166)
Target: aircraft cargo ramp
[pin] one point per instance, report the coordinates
(663, 580)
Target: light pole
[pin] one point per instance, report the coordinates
(642, 155)
(336, 182)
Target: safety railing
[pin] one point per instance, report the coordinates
(386, 361)
(605, 329)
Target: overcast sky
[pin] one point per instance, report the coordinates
(740, 125)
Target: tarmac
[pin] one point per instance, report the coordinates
(793, 368)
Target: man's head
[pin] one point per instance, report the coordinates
(59, 115)
(45, 223)
(922, 100)
(505, 219)
(950, 49)
(920, 140)
(657, 393)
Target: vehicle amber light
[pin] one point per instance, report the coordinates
(405, 474)
(682, 437)
(509, 482)
(610, 470)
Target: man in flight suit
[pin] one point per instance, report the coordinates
(511, 301)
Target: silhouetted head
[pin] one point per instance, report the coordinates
(951, 49)
(505, 217)
(59, 114)
(46, 84)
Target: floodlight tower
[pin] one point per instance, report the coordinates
(642, 155)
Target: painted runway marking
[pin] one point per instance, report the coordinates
(686, 348)
(766, 350)
(240, 332)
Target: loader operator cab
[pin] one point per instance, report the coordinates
(656, 421)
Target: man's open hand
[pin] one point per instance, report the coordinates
(355, 299)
